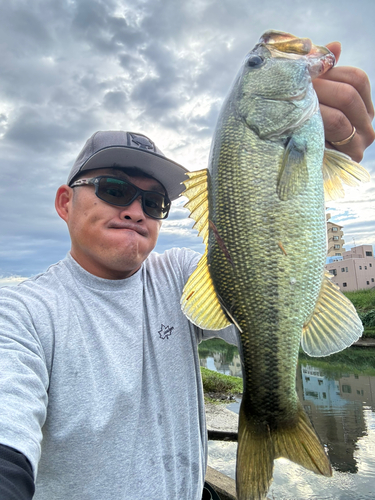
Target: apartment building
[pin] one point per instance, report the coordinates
(335, 239)
(356, 270)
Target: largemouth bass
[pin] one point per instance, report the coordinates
(260, 209)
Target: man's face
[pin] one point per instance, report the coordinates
(107, 240)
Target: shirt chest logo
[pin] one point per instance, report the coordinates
(165, 331)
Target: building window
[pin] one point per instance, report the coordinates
(344, 284)
(367, 282)
(360, 267)
(343, 269)
(336, 247)
(372, 280)
(333, 271)
(338, 254)
(370, 264)
(335, 238)
(368, 254)
(365, 267)
(346, 388)
(346, 269)
(334, 229)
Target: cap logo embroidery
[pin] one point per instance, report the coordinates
(142, 142)
(165, 331)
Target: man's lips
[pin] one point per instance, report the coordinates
(129, 225)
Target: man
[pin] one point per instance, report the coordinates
(100, 394)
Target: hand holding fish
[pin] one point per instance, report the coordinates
(344, 95)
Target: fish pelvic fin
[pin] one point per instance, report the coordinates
(334, 324)
(293, 176)
(259, 446)
(339, 169)
(199, 301)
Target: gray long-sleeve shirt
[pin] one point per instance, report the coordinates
(100, 384)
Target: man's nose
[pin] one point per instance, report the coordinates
(134, 211)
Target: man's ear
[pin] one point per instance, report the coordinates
(63, 201)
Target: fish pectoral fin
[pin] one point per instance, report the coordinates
(199, 301)
(255, 456)
(293, 175)
(334, 324)
(299, 443)
(338, 168)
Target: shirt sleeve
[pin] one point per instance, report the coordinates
(16, 475)
(23, 381)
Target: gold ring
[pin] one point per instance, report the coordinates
(345, 141)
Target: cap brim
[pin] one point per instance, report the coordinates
(168, 172)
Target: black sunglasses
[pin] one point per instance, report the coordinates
(122, 193)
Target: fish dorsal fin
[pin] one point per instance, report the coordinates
(334, 324)
(197, 193)
(338, 168)
(199, 301)
(293, 174)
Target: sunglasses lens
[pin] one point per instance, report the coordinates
(122, 193)
(155, 205)
(116, 191)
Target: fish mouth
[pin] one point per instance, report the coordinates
(280, 44)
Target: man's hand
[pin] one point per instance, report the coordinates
(344, 95)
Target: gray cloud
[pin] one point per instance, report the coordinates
(161, 67)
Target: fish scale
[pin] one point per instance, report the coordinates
(261, 212)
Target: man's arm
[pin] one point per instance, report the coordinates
(344, 95)
(23, 396)
(16, 475)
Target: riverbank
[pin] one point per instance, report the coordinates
(365, 342)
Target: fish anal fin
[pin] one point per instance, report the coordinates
(293, 174)
(339, 169)
(334, 324)
(199, 301)
(299, 443)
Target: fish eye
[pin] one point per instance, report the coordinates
(255, 61)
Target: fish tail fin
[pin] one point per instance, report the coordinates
(255, 456)
(300, 444)
(259, 446)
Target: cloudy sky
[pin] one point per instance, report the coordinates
(159, 67)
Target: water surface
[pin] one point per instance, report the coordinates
(340, 401)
